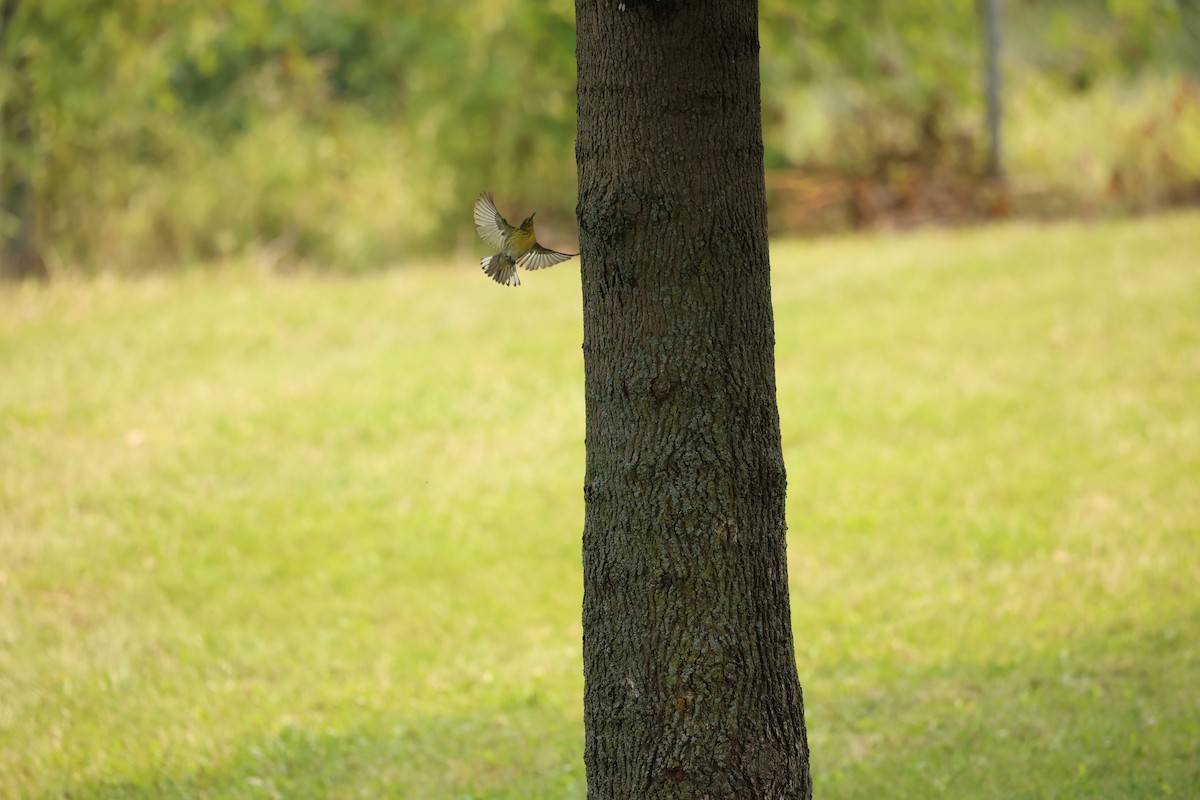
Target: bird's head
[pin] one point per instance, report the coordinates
(527, 225)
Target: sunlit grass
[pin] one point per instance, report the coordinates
(310, 537)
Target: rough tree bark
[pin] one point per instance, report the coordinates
(689, 665)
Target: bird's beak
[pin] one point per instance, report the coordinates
(534, 214)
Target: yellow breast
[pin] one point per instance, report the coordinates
(519, 243)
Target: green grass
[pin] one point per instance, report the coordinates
(316, 537)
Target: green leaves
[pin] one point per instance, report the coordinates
(128, 121)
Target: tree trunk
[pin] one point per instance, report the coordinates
(990, 13)
(19, 257)
(689, 665)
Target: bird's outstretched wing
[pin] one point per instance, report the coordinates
(492, 227)
(540, 257)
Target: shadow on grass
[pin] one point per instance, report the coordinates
(1114, 715)
(494, 753)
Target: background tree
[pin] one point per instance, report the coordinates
(17, 253)
(142, 134)
(691, 684)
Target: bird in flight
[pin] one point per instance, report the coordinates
(517, 245)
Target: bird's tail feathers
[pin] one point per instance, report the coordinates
(501, 269)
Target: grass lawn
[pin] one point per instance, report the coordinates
(319, 537)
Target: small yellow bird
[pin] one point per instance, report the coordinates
(516, 245)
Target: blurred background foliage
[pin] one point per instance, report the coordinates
(353, 134)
